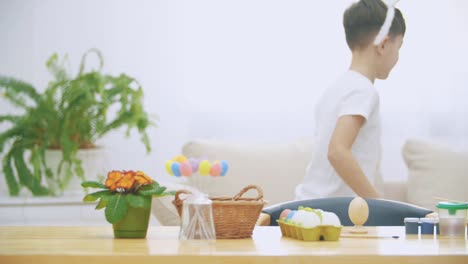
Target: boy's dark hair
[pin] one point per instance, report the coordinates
(363, 20)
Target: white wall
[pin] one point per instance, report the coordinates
(244, 70)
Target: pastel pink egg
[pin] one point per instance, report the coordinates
(215, 169)
(284, 213)
(185, 169)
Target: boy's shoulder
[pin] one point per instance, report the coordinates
(353, 80)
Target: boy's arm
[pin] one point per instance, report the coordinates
(342, 159)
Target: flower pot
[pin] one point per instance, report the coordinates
(93, 162)
(134, 224)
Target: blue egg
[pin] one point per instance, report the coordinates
(175, 167)
(291, 214)
(224, 167)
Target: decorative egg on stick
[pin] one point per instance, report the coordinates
(358, 212)
(183, 166)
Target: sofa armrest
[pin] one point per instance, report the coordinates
(263, 220)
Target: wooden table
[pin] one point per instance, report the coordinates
(68, 245)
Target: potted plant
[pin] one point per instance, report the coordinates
(126, 197)
(71, 114)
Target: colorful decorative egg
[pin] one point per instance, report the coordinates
(291, 214)
(194, 164)
(175, 167)
(168, 166)
(215, 169)
(185, 169)
(204, 167)
(180, 158)
(284, 213)
(224, 167)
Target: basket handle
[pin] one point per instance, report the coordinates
(178, 193)
(178, 202)
(249, 187)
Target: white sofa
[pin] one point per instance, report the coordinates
(433, 171)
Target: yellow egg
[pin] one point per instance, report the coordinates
(204, 167)
(180, 158)
(168, 167)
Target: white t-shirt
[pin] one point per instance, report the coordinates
(352, 94)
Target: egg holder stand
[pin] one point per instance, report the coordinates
(358, 212)
(317, 233)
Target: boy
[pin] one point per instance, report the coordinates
(347, 137)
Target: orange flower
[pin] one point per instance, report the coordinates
(142, 178)
(127, 180)
(112, 178)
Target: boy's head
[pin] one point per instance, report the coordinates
(362, 22)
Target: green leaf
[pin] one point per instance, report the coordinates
(116, 209)
(93, 184)
(83, 60)
(102, 204)
(168, 193)
(96, 195)
(138, 201)
(149, 186)
(155, 191)
(25, 175)
(171, 193)
(16, 90)
(11, 118)
(13, 187)
(89, 198)
(55, 68)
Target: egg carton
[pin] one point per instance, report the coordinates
(320, 232)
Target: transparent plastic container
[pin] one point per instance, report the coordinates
(452, 218)
(197, 218)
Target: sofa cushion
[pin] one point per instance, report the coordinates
(435, 171)
(275, 168)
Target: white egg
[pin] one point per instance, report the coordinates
(329, 218)
(311, 220)
(319, 213)
(298, 217)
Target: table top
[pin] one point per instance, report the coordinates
(48, 244)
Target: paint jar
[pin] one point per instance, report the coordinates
(452, 218)
(428, 225)
(411, 225)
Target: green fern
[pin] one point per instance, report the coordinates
(71, 113)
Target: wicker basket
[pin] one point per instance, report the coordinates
(234, 217)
